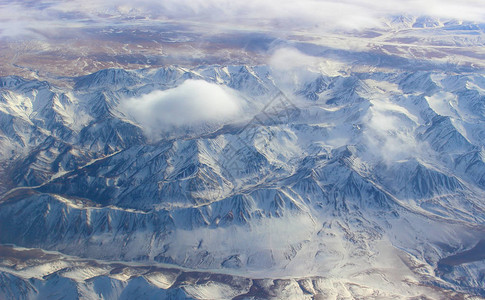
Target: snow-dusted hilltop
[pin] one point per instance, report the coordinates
(283, 182)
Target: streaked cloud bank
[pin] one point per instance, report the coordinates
(18, 16)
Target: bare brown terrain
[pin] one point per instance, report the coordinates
(62, 53)
(76, 52)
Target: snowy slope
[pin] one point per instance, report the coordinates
(352, 185)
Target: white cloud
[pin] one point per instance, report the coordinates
(292, 68)
(289, 59)
(194, 102)
(389, 131)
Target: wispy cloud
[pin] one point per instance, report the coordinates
(293, 68)
(388, 132)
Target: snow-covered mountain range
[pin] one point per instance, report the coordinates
(315, 184)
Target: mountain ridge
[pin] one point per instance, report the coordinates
(336, 178)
